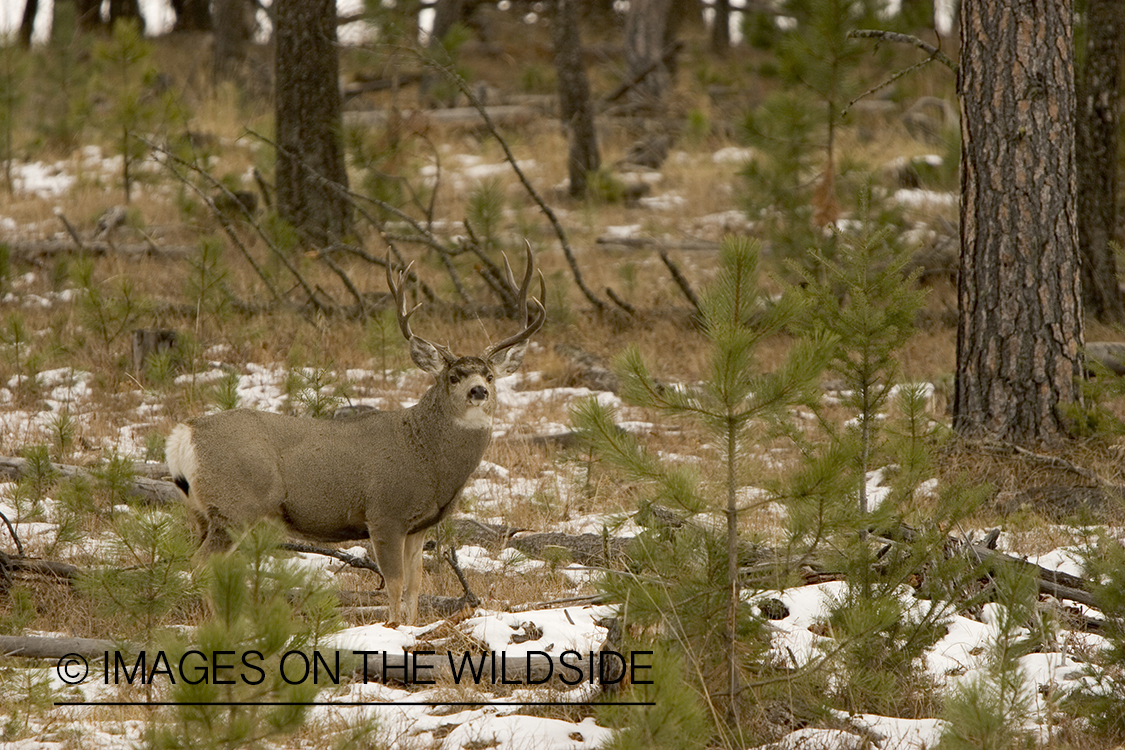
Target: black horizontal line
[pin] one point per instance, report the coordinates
(351, 703)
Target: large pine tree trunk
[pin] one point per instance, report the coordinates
(576, 113)
(1020, 328)
(307, 96)
(1098, 90)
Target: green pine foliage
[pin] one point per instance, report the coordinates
(801, 183)
(21, 356)
(863, 299)
(990, 710)
(263, 606)
(145, 579)
(107, 312)
(381, 338)
(140, 105)
(684, 581)
(1100, 698)
(315, 391)
(866, 300)
(676, 720)
(485, 212)
(206, 283)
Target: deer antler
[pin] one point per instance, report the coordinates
(540, 313)
(397, 287)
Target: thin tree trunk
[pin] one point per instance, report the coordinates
(88, 14)
(734, 682)
(446, 13)
(27, 23)
(308, 121)
(720, 28)
(192, 15)
(232, 35)
(1098, 91)
(124, 10)
(574, 98)
(645, 27)
(1020, 329)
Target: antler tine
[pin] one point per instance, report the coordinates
(400, 297)
(529, 329)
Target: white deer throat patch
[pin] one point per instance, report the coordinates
(474, 418)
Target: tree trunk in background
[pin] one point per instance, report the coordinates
(88, 14)
(27, 23)
(192, 15)
(574, 97)
(233, 23)
(645, 38)
(1098, 90)
(446, 13)
(124, 10)
(720, 28)
(308, 120)
(1020, 328)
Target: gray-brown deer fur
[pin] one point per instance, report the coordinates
(384, 475)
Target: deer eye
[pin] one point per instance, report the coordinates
(453, 379)
(488, 377)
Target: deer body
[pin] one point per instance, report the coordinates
(385, 475)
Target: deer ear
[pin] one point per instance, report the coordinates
(429, 357)
(507, 361)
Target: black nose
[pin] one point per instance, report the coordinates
(478, 393)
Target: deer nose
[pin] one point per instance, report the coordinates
(478, 393)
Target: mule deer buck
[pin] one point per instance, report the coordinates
(384, 475)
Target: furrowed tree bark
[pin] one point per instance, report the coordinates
(574, 98)
(308, 121)
(1020, 330)
(1098, 90)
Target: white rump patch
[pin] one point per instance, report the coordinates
(180, 452)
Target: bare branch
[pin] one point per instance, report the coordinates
(453, 76)
(894, 36)
(681, 282)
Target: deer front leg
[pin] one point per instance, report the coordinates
(389, 554)
(412, 574)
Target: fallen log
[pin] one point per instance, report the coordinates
(38, 251)
(156, 491)
(52, 568)
(44, 647)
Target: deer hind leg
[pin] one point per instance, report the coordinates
(412, 573)
(389, 553)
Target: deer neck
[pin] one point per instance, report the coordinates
(436, 425)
